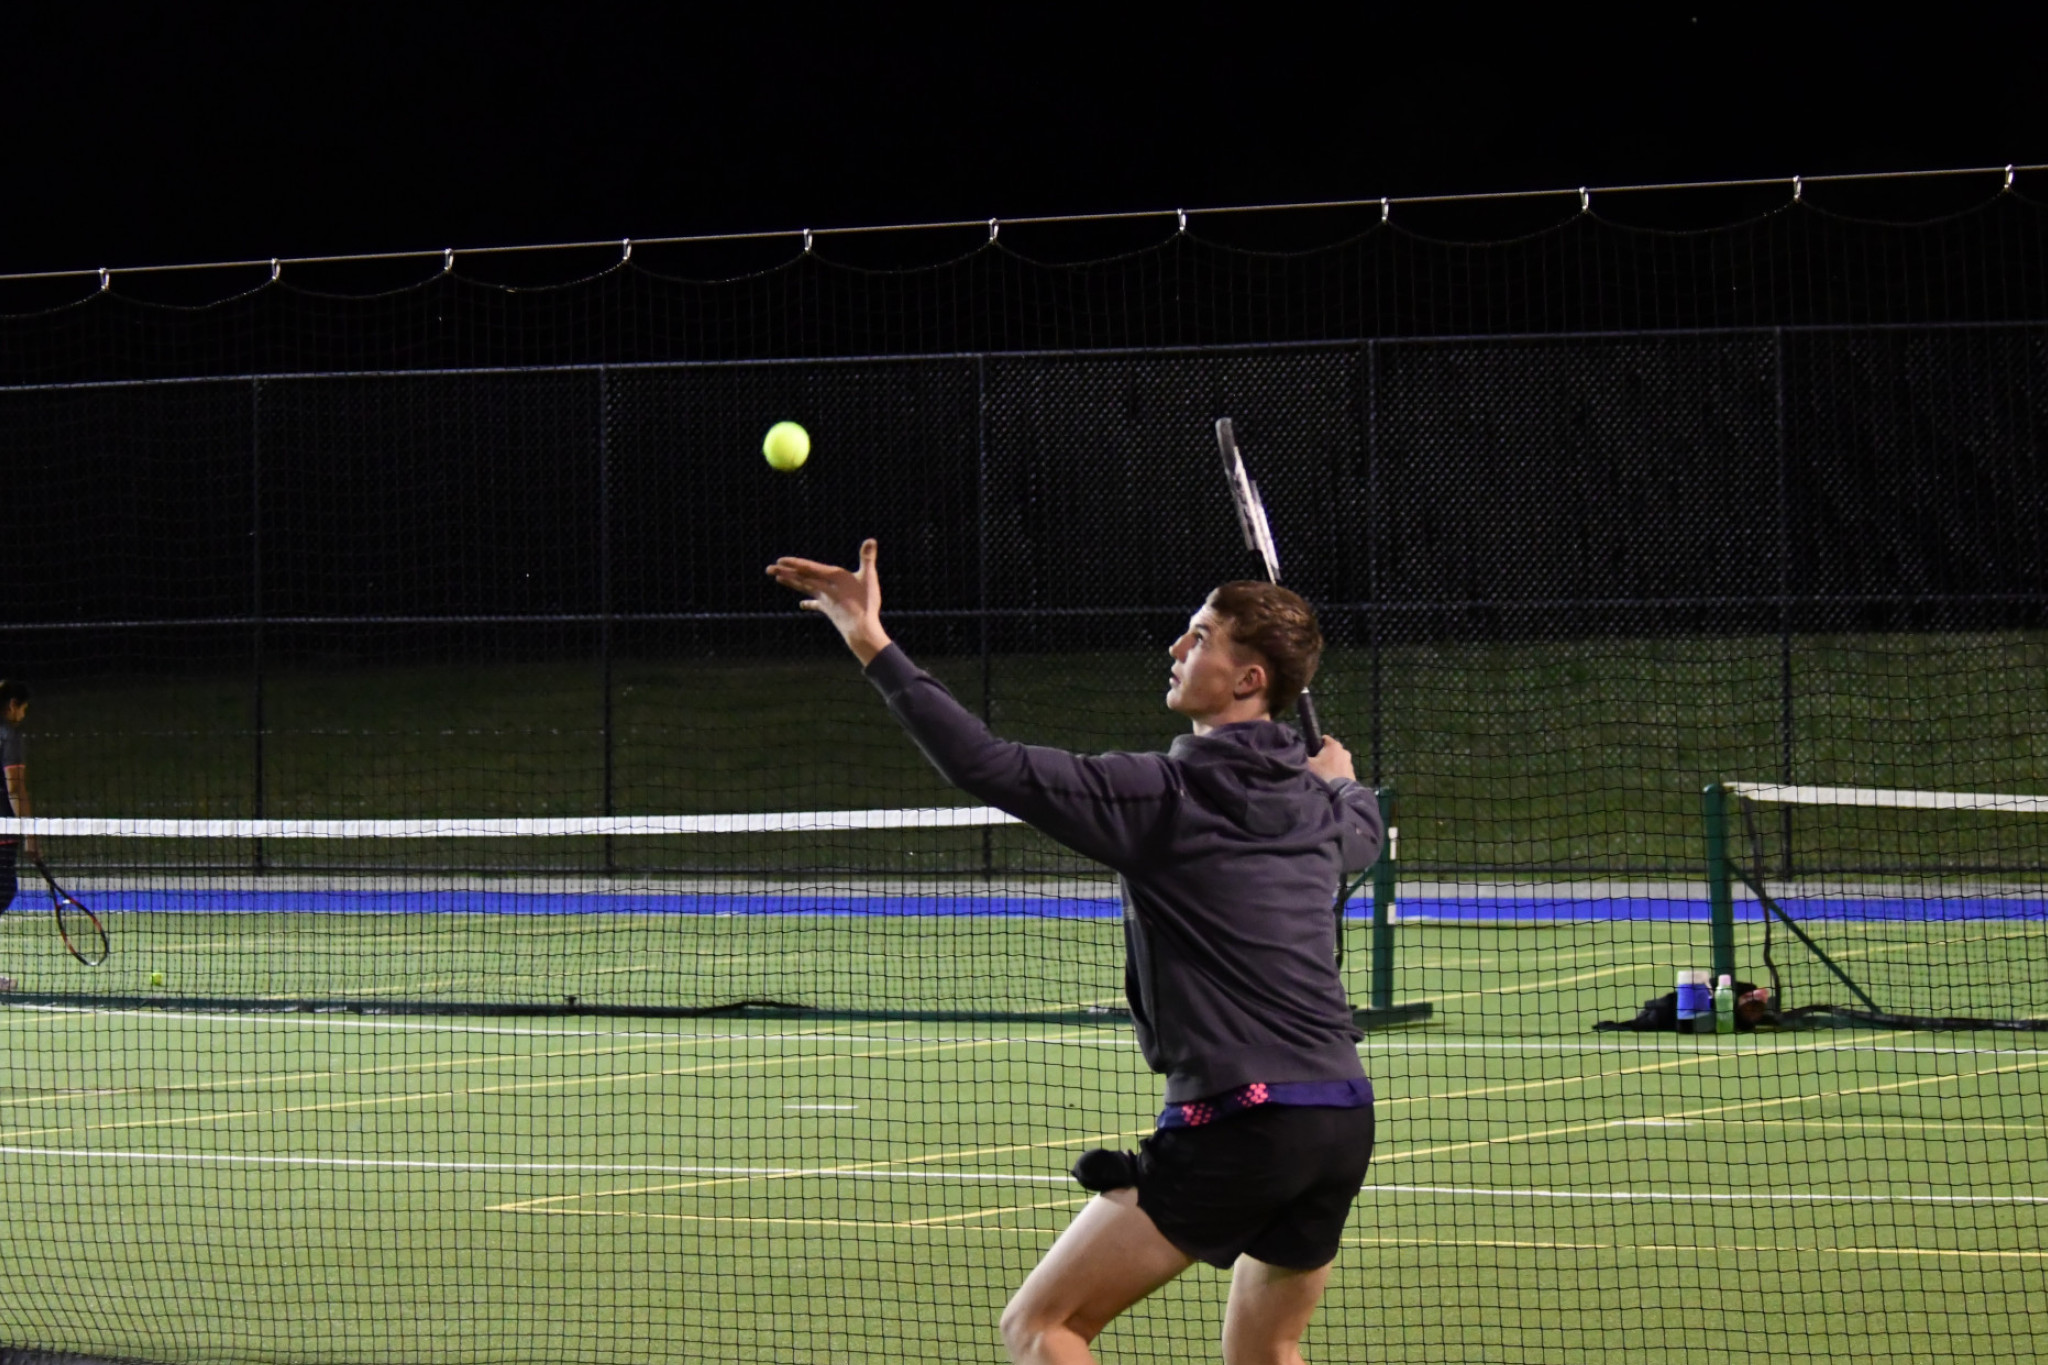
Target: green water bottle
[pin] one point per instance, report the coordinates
(1724, 1004)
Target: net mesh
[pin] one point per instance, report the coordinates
(1593, 516)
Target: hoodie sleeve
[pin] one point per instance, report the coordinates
(1108, 807)
(1358, 811)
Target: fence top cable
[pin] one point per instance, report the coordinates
(1583, 194)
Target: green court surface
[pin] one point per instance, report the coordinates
(204, 1186)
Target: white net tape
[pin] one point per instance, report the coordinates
(766, 822)
(1883, 797)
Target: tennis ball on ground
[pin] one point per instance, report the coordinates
(156, 978)
(787, 446)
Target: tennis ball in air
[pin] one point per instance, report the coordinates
(787, 446)
(156, 978)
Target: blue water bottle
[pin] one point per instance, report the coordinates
(1695, 1003)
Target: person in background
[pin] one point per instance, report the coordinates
(13, 793)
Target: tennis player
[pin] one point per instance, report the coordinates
(1230, 847)
(13, 793)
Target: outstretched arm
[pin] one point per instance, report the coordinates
(1103, 807)
(852, 601)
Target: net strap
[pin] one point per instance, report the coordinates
(777, 822)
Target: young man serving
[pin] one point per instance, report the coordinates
(1230, 848)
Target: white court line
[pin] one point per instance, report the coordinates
(1708, 1197)
(526, 1167)
(979, 1177)
(1108, 1036)
(823, 1033)
(1750, 1045)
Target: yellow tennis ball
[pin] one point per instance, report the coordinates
(787, 446)
(156, 978)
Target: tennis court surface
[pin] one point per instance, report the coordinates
(383, 1183)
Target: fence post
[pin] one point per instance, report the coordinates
(1720, 900)
(1383, 876)
(258, 721)
(986, 645)
(606, 739)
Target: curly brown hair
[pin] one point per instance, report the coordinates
(1280, 627)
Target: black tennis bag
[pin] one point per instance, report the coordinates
(1660, 1014)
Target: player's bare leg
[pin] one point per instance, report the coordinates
(1269, 1309)
(1109, 1257)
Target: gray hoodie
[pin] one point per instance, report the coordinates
(1229, 854)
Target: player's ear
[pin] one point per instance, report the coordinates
(1250, 682)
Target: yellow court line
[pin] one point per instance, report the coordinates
(1584, 1078)
(1689, 1248)
(991, 1213)
(1476, 961)
(338, 1105)
(757, 1220)
(1536, 1135)
(291, 1077)
(1380, 1158)
(1910, 1125)
(1915, 1083)
(512, 1058)
(819, 1173)
(1548, 983)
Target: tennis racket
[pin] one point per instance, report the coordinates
(78, 926)
(1258, 535)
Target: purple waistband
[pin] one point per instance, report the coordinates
(1351, 1094)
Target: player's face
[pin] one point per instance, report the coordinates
(17, 712)
(1208, 673)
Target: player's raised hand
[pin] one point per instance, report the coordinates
(850, 599)
(1332, 761)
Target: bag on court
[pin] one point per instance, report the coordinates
(1660, 1013)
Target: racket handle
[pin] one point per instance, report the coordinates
(1311, 729)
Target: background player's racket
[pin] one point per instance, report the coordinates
(1258, 535)
(79, 927)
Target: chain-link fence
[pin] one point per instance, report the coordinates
(1565, 580)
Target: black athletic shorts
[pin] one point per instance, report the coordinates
(1275, 1183)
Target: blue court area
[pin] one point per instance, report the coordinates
(1536, 904)
(1555, 908)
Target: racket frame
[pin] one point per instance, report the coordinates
(82, 941)
(1258, 537)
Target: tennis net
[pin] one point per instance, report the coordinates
(1896, 907)
(938, 912)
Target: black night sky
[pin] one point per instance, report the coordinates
(155, 134)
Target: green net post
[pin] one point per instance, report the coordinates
(1720, 896)
(1383, 873)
